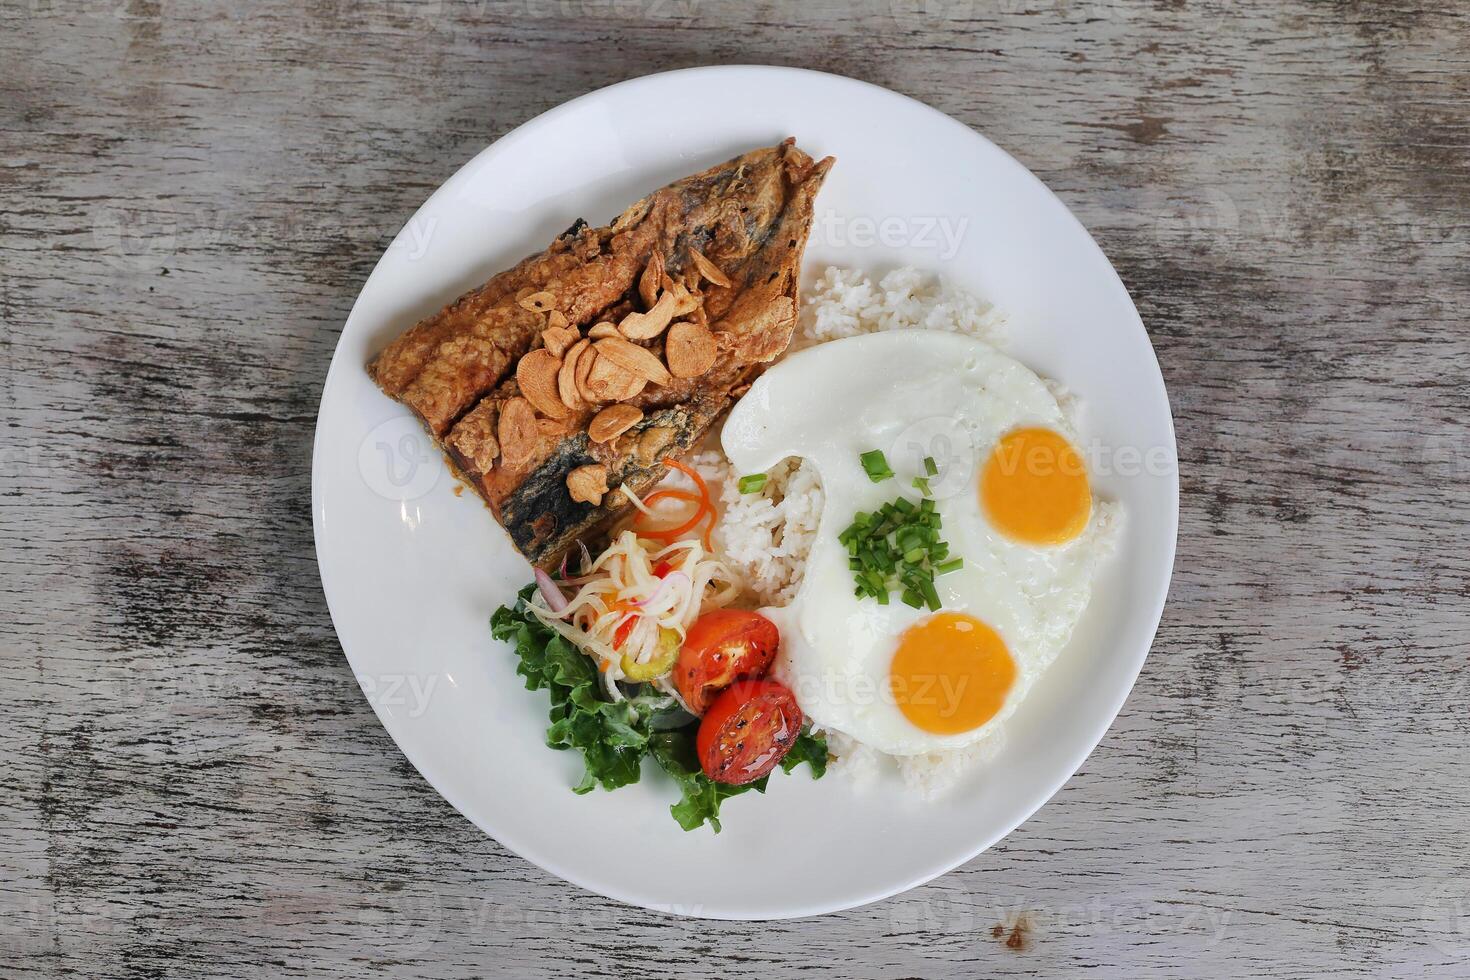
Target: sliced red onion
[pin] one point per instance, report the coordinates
(660, 590)
(555, 601)
(586, 558)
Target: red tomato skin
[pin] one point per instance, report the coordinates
(723, 646)
(727, 709)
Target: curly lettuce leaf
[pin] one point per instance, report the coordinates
(811, 749)
(701, 796)
(611, 737)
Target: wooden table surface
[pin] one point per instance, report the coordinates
(193, 193)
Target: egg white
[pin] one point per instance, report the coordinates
(911, 393)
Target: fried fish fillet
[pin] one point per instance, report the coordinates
(748, 218)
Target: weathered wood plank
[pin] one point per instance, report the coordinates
(193, 194)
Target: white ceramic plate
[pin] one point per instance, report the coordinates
(412, 571)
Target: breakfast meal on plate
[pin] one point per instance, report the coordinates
(890, 542)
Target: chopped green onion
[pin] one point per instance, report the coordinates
(944, 568)
(921, 485)
(754, 483)
(931, 467)
(897, 548)
(875, 464)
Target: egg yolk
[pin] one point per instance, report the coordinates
(951, 673)
(1034, 488)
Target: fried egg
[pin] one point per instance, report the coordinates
(1015, 501)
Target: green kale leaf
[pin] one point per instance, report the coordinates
(611, 737)
(701, 796)
(811, 749)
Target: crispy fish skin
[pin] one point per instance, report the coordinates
(469, 363)
(535, 506)
(402, 361)
(443, 365)
(758, 241)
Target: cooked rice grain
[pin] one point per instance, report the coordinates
(846, 303)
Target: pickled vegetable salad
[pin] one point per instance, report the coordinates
(633, 609)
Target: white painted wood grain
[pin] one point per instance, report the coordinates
(193, 194)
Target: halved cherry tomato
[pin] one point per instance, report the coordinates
(723, 647)
(748, 729)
